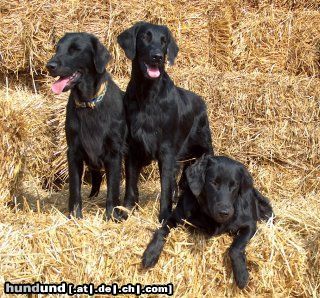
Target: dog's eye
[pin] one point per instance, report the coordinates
(215, 182)
(163, 41)
(72, 50)
(233, 185)
(147, 36)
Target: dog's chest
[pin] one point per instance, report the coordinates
(89, 135)
(92, 141)
(146, 125)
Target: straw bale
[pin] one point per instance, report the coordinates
(29, 29)
(25, 139)
(262, 118)
(35, 27)
(304, 48)
(277, 41)
(43, 245)
(228, 34)
(256, 64)
(286, 4)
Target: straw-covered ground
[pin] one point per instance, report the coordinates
(255, 62)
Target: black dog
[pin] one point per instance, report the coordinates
(217, 196)
(165, 123)
(95, 122)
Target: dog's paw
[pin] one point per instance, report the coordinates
(93, 194)
(152, 253)
(164, 215)
(77, 215)
(241, 276)
(76, 212)
(239, 267)
(130, 205)
(150, 257)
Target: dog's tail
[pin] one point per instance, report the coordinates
(264, 209)
(96, 179)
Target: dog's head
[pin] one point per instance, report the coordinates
(218, 182)
(149, 45)
(77, 56)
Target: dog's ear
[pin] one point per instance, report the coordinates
(246, 182)
(196, 174)
(264, 208)
(101, 55)
(172, 48)
(128, 39)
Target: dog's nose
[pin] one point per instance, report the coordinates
(52, 65)
(157, 57)
(224, 213)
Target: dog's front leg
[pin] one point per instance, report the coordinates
(237, 254)
(133, 168)
(75, 167)
(152, 253)
(167, 176)
(113, 170)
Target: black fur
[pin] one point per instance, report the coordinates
(166, 123)
(94, 135)
(218, 197)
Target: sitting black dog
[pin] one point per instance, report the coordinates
(165, 123)
(217, 196)
(95, 123)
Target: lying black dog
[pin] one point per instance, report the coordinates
(95, 122)
(217, 196)
(165, 123)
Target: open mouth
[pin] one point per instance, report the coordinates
(65, 83)
(153, 71)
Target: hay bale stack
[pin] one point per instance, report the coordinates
(35, 27)
(231, 35)
(221, 35)
(47, 247)
(25, 146)
(256, 64)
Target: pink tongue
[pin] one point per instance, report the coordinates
(58, 86)
(153, 72)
